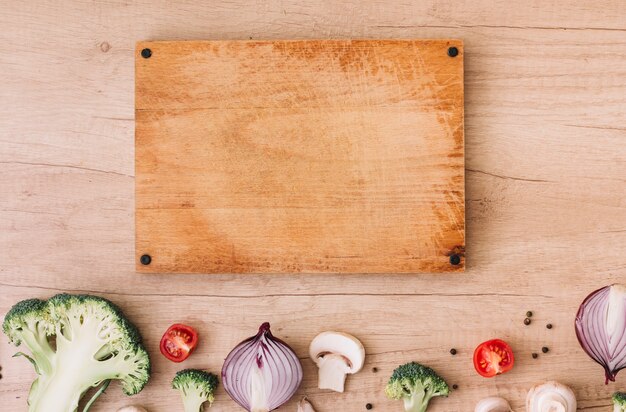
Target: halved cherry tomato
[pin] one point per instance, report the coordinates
(178, 342)
(493, 357)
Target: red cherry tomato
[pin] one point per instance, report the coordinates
(493, 357)
(178, 342)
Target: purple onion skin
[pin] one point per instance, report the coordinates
(590, 348)
(260, 346)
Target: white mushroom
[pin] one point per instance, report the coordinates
(132, 408)
(336, 355)
(305, 406)
(493, 404)
(551, 397)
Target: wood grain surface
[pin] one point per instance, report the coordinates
(299, 156)
(545, 105)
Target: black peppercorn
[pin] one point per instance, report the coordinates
(369, 406)
(455, 386)
(535, 356)
(549, 326)
(527, 321)
(545, 349)
(529, 314)
(374, 369)
(452, 351)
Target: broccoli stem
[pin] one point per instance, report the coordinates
(59, 394)
(418, 401)
(192, 402)
(40, 349)
(62, 391)
(96, 395)
(74, 371)
(415, 403)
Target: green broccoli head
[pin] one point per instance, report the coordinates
(619, 402)
(76, 342)
(69, 312)
(415, 384)
(196, 387)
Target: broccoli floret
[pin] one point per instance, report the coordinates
(415, 384)
(76, 342)
(196, 388)
(619, 402)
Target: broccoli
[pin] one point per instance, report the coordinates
(415, 384)
(76, 342)
(619, 402)
(196, 388)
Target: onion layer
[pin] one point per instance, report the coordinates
(262, 372)
(601, 328)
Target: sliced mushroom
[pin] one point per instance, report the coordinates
(305, 406)
(551, 397)
(493, 404)
(132, 408)
(336, 354)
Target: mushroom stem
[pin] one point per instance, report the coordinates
(332, 373)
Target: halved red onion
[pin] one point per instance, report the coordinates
(601, 328)
(262, 372)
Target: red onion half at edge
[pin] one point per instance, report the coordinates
(262, 372)
(601, 328)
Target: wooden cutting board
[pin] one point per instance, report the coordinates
(300, 156)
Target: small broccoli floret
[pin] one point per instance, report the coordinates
(196, 388)
(26, 315)
(28, 322)
(76, 342)
(619, 402)
(415, 384)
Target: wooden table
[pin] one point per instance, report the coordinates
(546, 193)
